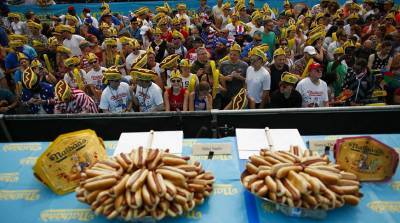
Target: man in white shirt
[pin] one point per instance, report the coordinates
(132, 57)
(258, 79)
(149, 94)
(256, 23)
(17, 25)
(217, 9)
(93, 78)
(313, 90)
(71, 40)
(117, 96)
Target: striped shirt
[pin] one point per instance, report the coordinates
(80, 103)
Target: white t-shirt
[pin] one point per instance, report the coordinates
(217, 11)
(186, 17)
(253, 28)
(257, 82)
(232, 30)
(181, 50)
(186, 80)
(95, 77)
(73, 44)
(313, 95)
(18, 27)
(72, 82)
(115, 100)
(149, 98)
(131, 58)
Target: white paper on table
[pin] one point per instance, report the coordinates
(250, 141)
(172, 140)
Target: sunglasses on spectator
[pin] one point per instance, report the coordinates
(284, 44)
(176, 81)
(93, 62)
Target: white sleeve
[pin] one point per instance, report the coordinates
(267, 82)
(158, 98)
(325, 97)
(299, 88)
(104, 103)
(87, 79)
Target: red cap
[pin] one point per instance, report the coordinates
(70, 8)
(86, 10)
(315, 66)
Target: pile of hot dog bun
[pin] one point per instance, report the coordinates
(303, 181)
(145, 182)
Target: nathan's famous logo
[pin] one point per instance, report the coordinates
(28, 195)
(62, 155)
(225, 189)
(384, 206)
(370, 150)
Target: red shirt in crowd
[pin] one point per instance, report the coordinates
(176, 101)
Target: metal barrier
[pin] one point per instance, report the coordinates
(215, 123)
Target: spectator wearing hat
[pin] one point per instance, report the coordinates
(176, 97)
(300, 65)
(148, 94)
(256, 23)
(341, 39)
(201, 99)
(257, 40)
(43, 74)
(258, 79)
(37, 95)
(234, 71)
(94, 77)
(132, 57)
(337, 69)
(189, 80)
(241, 101)
(277, 68)
(177, 41)
(117, 96)
(18, 27)
(89, 18)
(159, 45)
(74, 76)
(286, 96)
(360, 82)
(72, 101)
(71, 41)
(70, 11)
(181, 15)
(313, 90)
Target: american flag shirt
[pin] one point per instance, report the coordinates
(80, 103)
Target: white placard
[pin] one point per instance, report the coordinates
(171, 140)
(250, 141)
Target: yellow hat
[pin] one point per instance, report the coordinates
(110, 42)
(308, 14)
(356, 6)
(315, 37)
(163, 21)
(240, 101)
(125, 40)
(36, 63)
(106, 12)
(177, 34)
(29, 78)
(134, 43)
(23, 38)
(226, 6)
(141, 61)
(251, 2)
(143, 74)
(181, 6)
(239, 7)
(37, 43)
(257, 15)
(52, 42)
(266, 7)
(110, 32)
(34, 25)
(71, 17)
(157, 31)
(184, 63)
(258, 52)
(348, 43)
(112, 73)
(353, 16)
(319, 15)
(279, 52)
(67, 28)
(72, 61)
(236, 47)
(57, 30)
(62, 90)
(15, 43)
(263, 47)
(339, 50)
(319, 28)
(14, 15)
(91, 57)
(104, 25)
(289, 78)
(150, 50)
(162, 9)
(63, 49)
(291, 28)
(289, 12)
(175, 74)
(286, 2)
(175, 21)
(105, 6)
(390, 16)
(169, 61)
(142, 11)
(22, 56)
